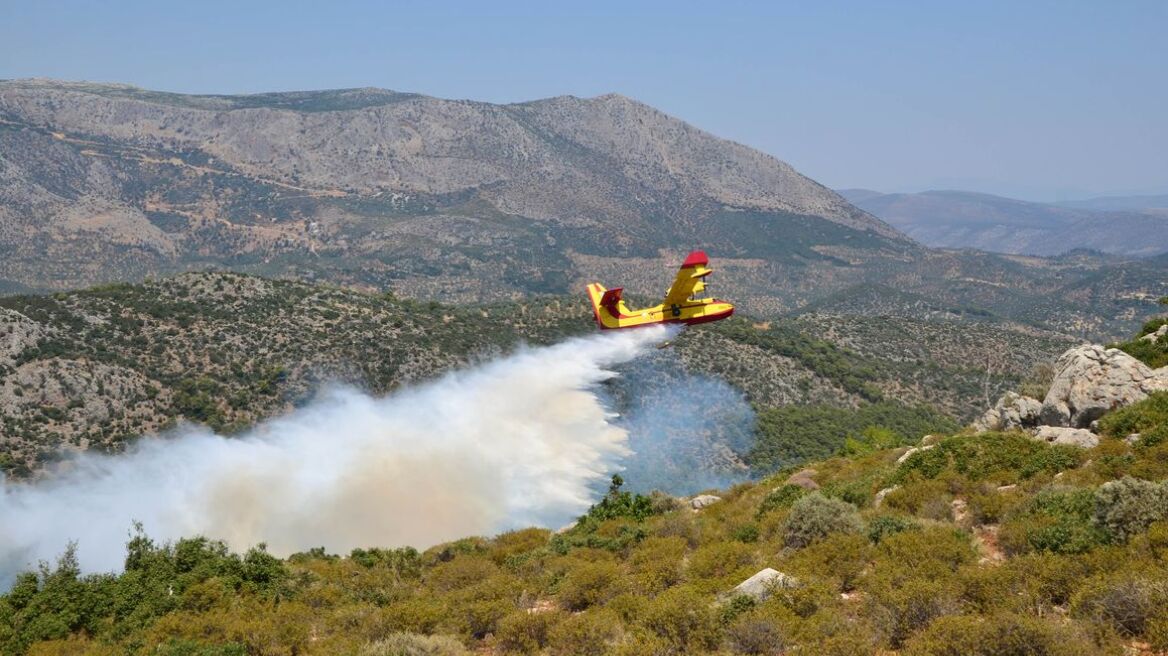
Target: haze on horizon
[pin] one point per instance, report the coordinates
(1041, 101)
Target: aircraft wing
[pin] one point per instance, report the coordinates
(689, 279)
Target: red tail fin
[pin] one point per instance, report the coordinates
(611, 298)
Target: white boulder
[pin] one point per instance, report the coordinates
(1091, 380)
(703, 500)
(1079, 437)
(1012, 411)
(763, 584)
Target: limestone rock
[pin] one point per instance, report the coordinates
(1079, 437)
(1012, 411)
(915, 449)
(703, 500)
(1091, 380)
(804, 478)
(879, 498)
(761, 585)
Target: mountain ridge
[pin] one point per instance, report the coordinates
(954, 218)
(460, 201)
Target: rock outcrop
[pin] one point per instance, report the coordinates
(804, 478)
(1091, 380)
(878, 500)
(703, 500)
(1012, 412)
(1079, 437)
(913, 450)
(762, 585)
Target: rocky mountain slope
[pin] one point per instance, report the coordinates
(95, 368)
(462, 201)
(960, 219)
(380, 185)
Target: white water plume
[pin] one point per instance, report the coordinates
(520, 441)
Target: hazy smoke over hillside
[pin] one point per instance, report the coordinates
(525, 440)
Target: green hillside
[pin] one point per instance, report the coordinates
(989, 544)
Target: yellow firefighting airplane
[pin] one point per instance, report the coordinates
(682, 302)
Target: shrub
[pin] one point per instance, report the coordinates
(998, 635)
(815, 516)
(755, 635)
(1124, 601)
(1157, 632)
(1153, 354)
(656, 563)
(684, 619)
(586, 634)
(746, 533)
(931, 551)
(622, 504)
(1140, 417)
(926, 498)
(842, 556)
(902, 610)
(779, 498)
(1128, 506)
(460, 572)
(527, 632)
(412, 644)
(719, 559)
(1059, 521)
(882, 526)
(990, 456)
(589, 584)
(990, 506)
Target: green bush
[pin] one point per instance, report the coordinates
(930, 551)
(998, 635)
(1142, 417)
(1124, 601)
(621, 504)
(412, 644)
(902, 610)
(1058, 521)
(755, 635)
(585, 634)
(815, 516)
(990, 456)
(589, 584)
(842, 557)
(526, 632)
(1128, 506)
(882, 526)
(1153, 354)
(684, 619)
(780, 498)
(927, 498)
(719, 560)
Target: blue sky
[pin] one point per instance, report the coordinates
(1040, 100)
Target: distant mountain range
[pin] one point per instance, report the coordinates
(1132, 225)
(1152, 203)
(471, 202)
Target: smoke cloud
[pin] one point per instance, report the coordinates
(524, 440)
